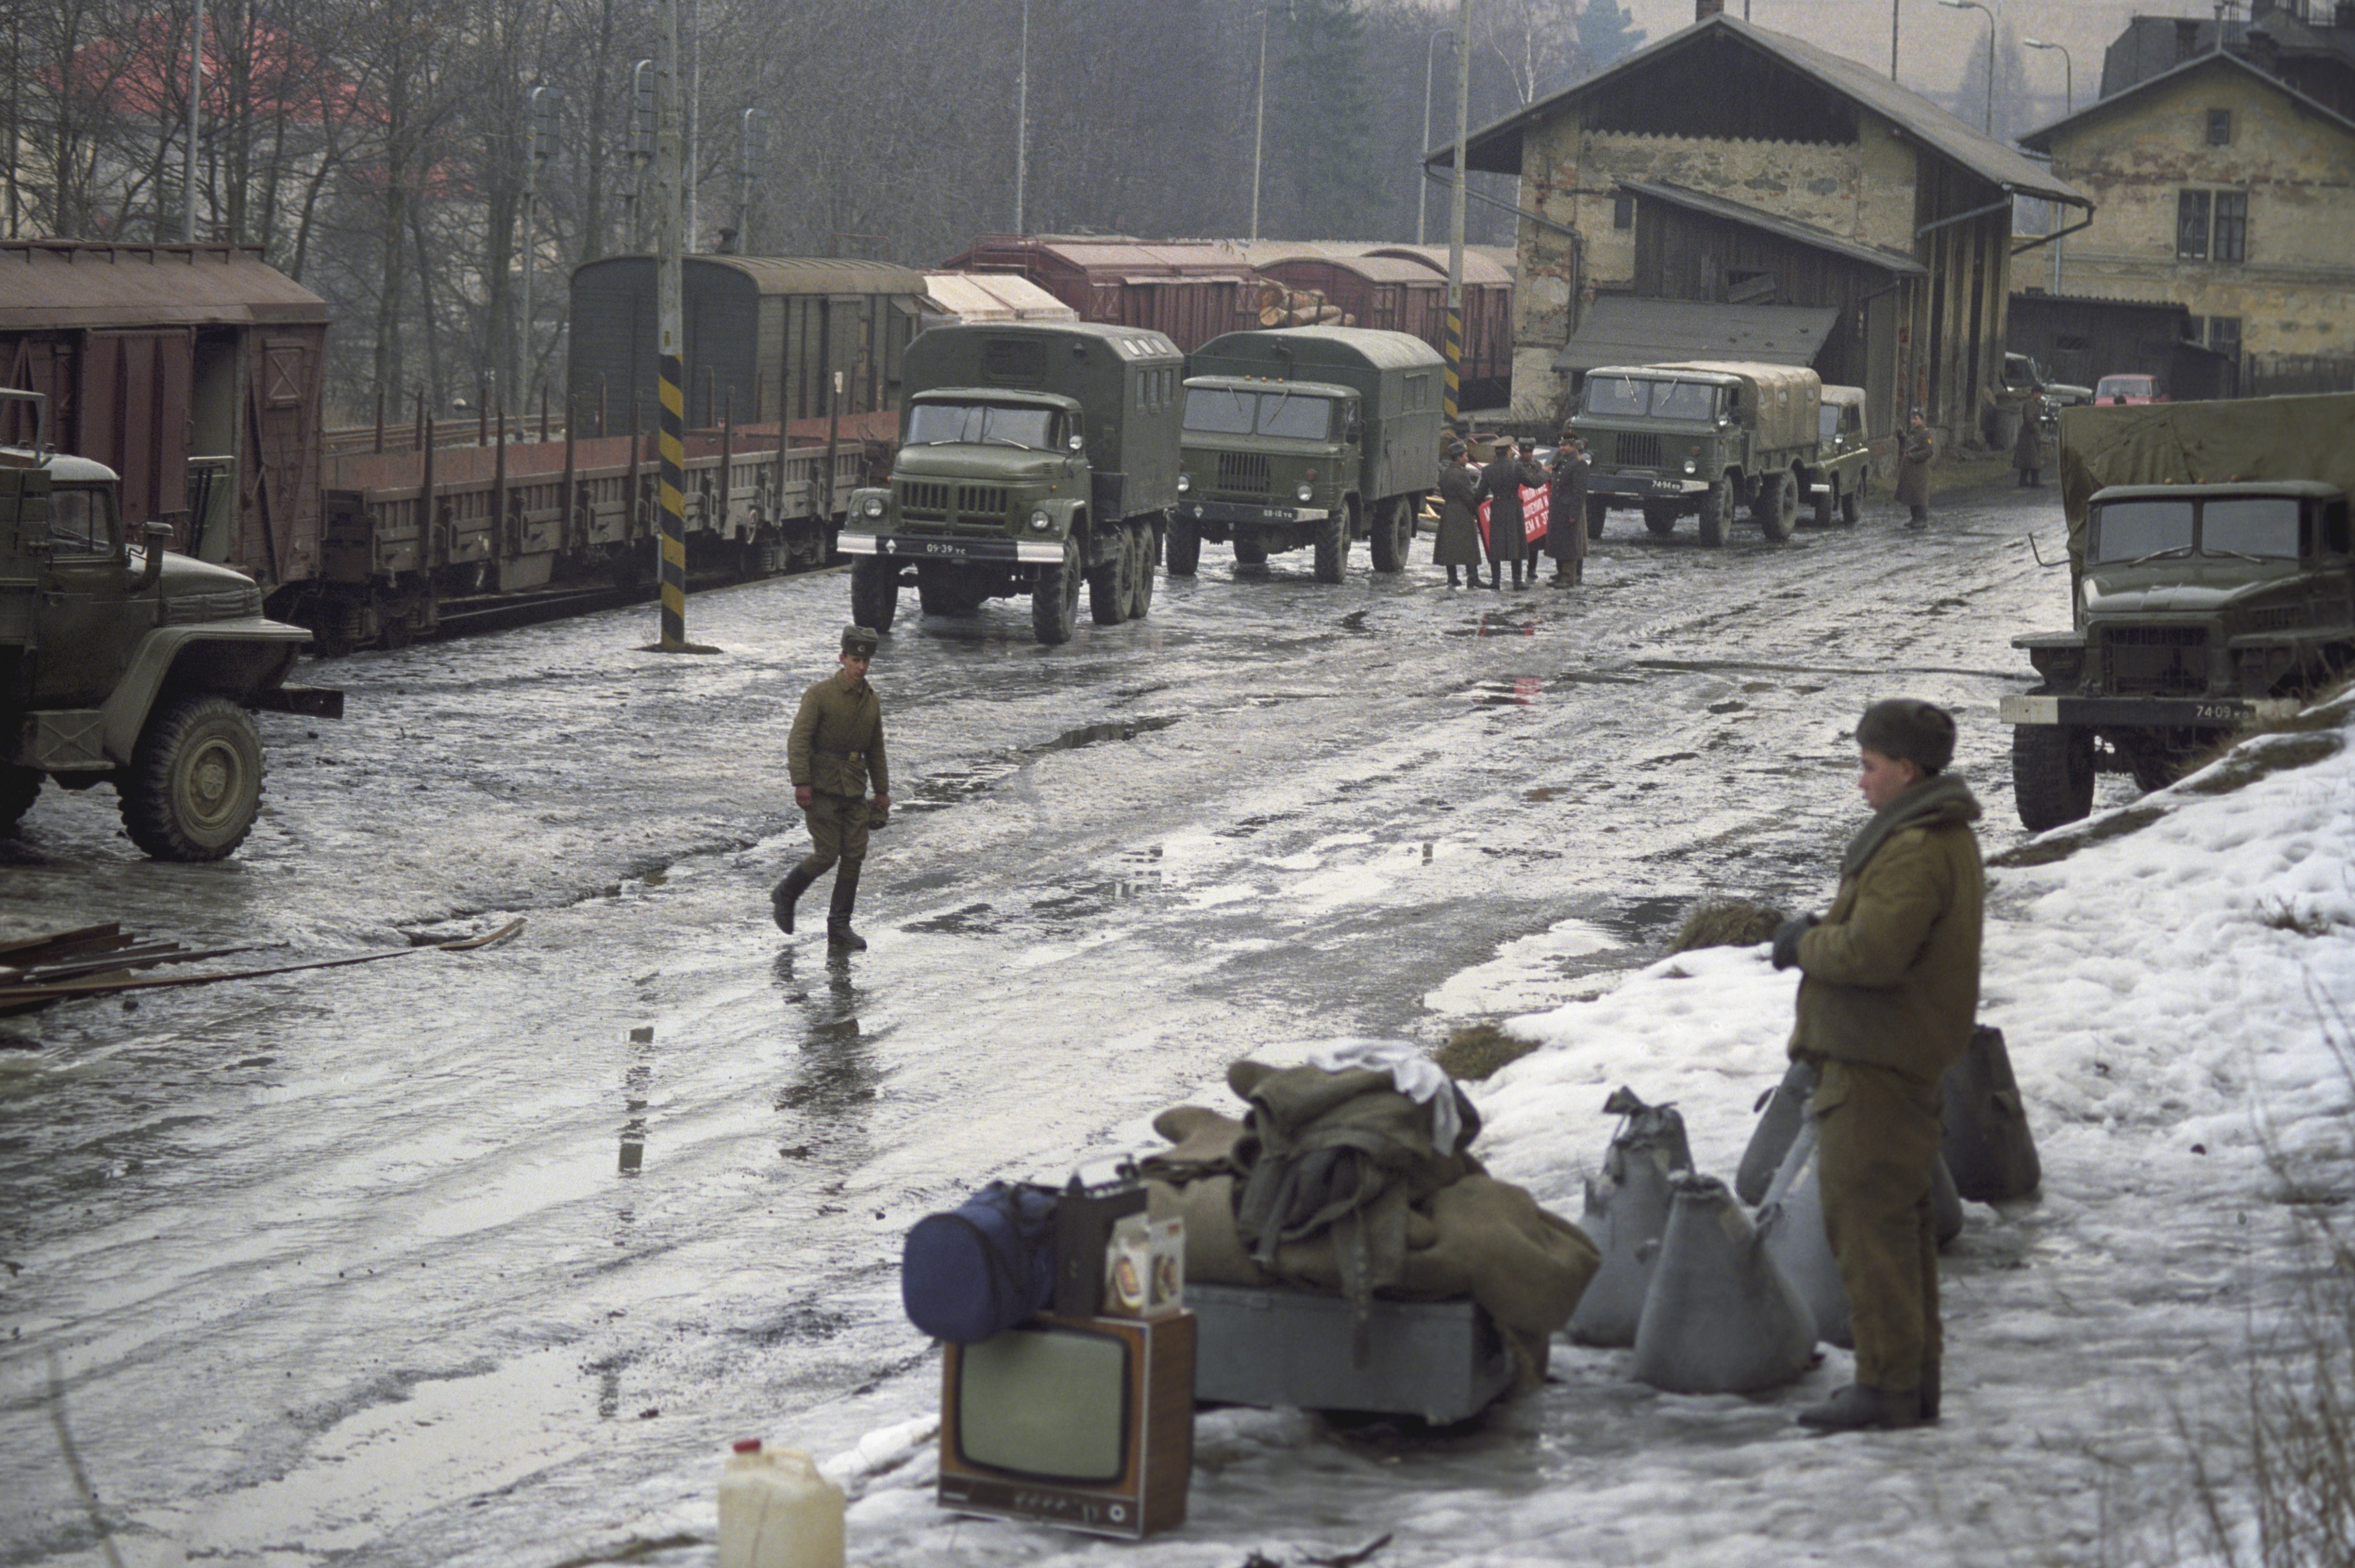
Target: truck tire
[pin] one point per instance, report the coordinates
(1332, 547)
(1849, 500)
(1140, 587)
(1828, 502)
(1394, 528)
(195, 781)
(1778, 505)
(1185, 548)
(1055, 600)
(18, 787)
(2051, 774)
(1716, 512)
(1597, 515)
(1108, 585)
(874, 593)
(1250, 552)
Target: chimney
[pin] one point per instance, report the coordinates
(1704, 9)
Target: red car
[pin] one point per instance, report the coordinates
(2128, 389)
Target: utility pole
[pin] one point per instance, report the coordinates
(642, 147)
(539, 143)
(751, 144)
(1422, 186)
(1259, 120)
(1022, 120)
(1892, 38)
(1452, 397)
(196, 98)
(670, 335)
(692, 169)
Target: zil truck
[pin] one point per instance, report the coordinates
(1032, 455)
(1699, 440)
(138, 669)
(2213, 580)
(1309, 437)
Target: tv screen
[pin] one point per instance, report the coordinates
(1045, 1402)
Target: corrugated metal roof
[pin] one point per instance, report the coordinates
(1496, 149)
(1477, 268)
(2041, 139)
(1621, 330)
(795, 274)
(74, 283)
(1373, 269)
(1767, 222)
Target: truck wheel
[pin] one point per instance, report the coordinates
(1250, 552)
(1849, 500)
(1055, 600)
(1140, 587)
(195, 781)
(18, 785)
(1828, 502)
(1393, 530)
(1597, 515)
(1661, 521)
(1716, 512)
(2051, 774)
(1185, 548)
(874, 593)
(1108, 585)
(1332, 548)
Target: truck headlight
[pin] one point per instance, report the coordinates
(1185, 484)
(1691, 467)
(873, 506)
(1305, 493)
(1041, 521)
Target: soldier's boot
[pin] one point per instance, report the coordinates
(1496, 576)
(1451, 581)
(840, 936)
(1928, 1394)
(1517, 571)
(786, 894)
(1860, 1407)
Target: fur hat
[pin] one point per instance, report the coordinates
(1909, 730)
(859, 641)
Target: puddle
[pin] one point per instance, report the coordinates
(948, 786)
(1089, 735)
(1496, 623)
(974, 919)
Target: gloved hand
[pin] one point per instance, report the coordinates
(1786, 939)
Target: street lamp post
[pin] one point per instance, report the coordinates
(1422, 185)
(1259, 121)
(2068, 69)
(1988, 124)
(1022, 121)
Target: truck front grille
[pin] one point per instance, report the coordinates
(1636, 451)
(923, 503)
(1243, 473)
(2157, 660)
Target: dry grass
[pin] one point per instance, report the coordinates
(1476, 1050)
(2281, 914)
(1727, 923)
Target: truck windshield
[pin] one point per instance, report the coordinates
(1232, 412)
(2250, 525)
(1827, 421)
(2130, 530)
(81, 522)
(1632, 397)
(981, 424)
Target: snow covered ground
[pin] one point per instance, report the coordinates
(2164, 985)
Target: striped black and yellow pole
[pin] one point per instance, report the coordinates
(1451, 400)
(673, 443)
(670, 336)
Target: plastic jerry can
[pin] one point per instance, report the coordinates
(777, 1511)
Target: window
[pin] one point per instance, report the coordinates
(81, 522)
(2265, 525)
(2232, 227)
(2212, 226)
(2220, 128)
(1622, 212)
(2224, 335)
(1418, 391)
(2186, 40)
(2191, 224)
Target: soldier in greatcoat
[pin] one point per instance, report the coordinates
(1888, 993)
(836, 746)
(1501, 486)
(1565, 538)
(1458, 543)
(1914, 450)
(2028, 451)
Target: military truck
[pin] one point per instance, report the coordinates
(1308, 436)
(1836, 480)
(1032, 455)
(132, 668)
(1698, 440)
(2212, 579)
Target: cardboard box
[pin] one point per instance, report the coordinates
(1144, 1267)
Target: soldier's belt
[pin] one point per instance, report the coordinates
(844, 755)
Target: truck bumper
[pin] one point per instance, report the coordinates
(1633, 487)
(2145, 712)
(1230, 513)
(933, 547)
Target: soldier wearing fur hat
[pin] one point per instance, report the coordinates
(837, 746)
(1889, 989)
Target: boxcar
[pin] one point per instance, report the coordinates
(1189, 291)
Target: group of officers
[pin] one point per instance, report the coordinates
(1461, 544)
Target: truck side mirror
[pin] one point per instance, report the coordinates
(157, 536)
(1354, 430)
(1075, 442)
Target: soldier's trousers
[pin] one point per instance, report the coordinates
(1878, 1135)
(837, 825)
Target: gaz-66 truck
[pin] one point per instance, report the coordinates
(1308, 436)
(1698, 440)
(2213, 585)
(132, 671)
(1032, 455)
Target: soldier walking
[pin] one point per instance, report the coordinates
(2028, 451)
(1913, 457)
(1458, 543)
(1889, 990)
(836, 746)
(1501, 486)
(1565, 538)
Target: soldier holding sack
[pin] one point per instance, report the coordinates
(837, 746)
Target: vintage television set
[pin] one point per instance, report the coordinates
(1086, 1423)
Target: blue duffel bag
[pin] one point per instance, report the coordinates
(974, 1272)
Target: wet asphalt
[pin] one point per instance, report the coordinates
(432, 1259)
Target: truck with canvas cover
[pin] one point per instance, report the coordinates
(138, 668)
(1843, 457)
(1698, 440)
(2213, 581)
(1307, 437)
(1032, 455)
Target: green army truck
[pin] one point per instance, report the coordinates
(1032, 455)
(137, 669)
(1836, 480)
(1307, 437)
(2212, 579)
(1698, 440)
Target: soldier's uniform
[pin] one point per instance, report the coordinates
(1501, 486)
(1565, 538)
(1458, 543)
(835, 749)
(1914, 450)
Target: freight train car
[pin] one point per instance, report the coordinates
(1189, 291)
(1487, 320)
(1381, 291)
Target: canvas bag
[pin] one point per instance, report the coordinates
(976, 1271)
